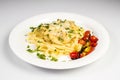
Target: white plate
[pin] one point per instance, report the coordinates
(18, 44)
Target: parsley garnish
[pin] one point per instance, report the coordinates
(70, 31)
(30, 50)
(28, 46)
(32, 29)
(60, 39)
(49, 30)
(53, 59)
(39, 41)
(47, 35)
(40, 26)
(37, 48)
(67, 28)
(55, 23)
(41, 56)
(46, 26)
(69, 35)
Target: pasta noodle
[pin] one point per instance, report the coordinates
(56, 38)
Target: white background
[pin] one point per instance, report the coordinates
(104, 11)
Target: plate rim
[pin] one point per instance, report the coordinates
(54, 63)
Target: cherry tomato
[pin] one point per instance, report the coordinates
(93, 39)
(81, 41)
(87, 33)
(85, 38)
(74, 55)
(93, 44)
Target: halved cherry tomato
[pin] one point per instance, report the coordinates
(74, 55)
(93, 39)
(85, 38)
(81, 41)
(93, 44)
(87, 33)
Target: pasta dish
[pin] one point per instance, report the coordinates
(58, 38)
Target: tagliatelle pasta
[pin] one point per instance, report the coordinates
(57, 38)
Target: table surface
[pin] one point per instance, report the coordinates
(106, 12)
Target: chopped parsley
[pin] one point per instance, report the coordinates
(55, 23)
(60, 39)
(41, 56)
(70, 31)
(39, 41)
(40, 26)
(30, 50)
(32, 29)
(53, 59)
(37, 49)
(47, 26)
(28, 46)
(67, 28)
(49, 30)
(69, 35)
(79, 29)
(47, 35)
